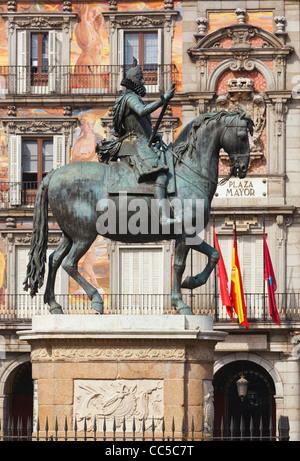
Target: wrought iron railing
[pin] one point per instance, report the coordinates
(22, 306)
(114, 429)
(66, 80)
(18, 193)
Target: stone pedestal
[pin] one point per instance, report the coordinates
(149, 368)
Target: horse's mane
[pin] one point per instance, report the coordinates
(186, 141)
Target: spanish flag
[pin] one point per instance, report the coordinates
(236, 288)
(222, 274)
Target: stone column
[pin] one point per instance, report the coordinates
(137, 367)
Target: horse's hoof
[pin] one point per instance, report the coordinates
(184, 311)
(97, 306)
(188, 283)
(181, 308)
(56, 310)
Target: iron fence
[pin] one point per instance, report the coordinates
(22, 306)
(91, 429)
(84, 79)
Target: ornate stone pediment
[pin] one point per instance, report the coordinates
(241, 35)
(52, 126)
(154, 19)
(28, 20)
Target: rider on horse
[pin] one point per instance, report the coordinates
(133, 129)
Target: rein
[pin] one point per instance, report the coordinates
(201, 175)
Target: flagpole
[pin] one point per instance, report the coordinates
(234, 226)
(215, 274)
(264, 268)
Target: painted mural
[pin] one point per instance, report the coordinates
(220, 19)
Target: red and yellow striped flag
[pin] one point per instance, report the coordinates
(236, 288)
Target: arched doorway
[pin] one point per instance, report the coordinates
(256, 410)
(22, 394)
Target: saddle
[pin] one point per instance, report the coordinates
(121, 177)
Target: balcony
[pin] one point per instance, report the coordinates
(21, 194)
(78, 80)
(22, 306)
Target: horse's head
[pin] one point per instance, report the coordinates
(235, 142)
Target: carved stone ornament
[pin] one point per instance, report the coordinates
(241, 92)
(38, 126)
(202, 26)
(241, 15)
(118, 399)
(280, 22)
(208, 406)
(154, 19)
(28, 20)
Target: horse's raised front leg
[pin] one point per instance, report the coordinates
(70, 265)
(201, 279)
(55, 260)
(181, 252)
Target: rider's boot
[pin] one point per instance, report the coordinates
(160, 193)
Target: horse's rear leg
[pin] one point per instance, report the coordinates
(70, 265)
(201, 279)
(55, 260)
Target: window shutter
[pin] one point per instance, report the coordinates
(15, 146)
(121, 59)
(160, 70)
(23, 58)
(52, 60)
(59, 151)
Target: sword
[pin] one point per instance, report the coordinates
(166, 103)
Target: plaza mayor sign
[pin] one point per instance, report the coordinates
(243, 188)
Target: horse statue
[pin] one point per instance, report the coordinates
(73, 192)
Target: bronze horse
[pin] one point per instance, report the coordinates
(74, 190)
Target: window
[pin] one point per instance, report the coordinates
(39, 59)
(141, 278)
(37, 161)
(144, 47)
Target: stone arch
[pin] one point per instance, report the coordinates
(10, 369)
(225, 65)
(268, 366)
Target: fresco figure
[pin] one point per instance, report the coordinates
(88, 36)
(84, 147)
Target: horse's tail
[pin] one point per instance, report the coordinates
(38, 246)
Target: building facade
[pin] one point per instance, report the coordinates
(60, 72)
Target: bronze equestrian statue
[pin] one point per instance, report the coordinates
(132, 124)
(74, 191)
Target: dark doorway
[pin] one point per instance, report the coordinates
(22, 397)
(252, 416)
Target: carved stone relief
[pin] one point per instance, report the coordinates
(241, 92)
(118, 400)
(208, 406)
